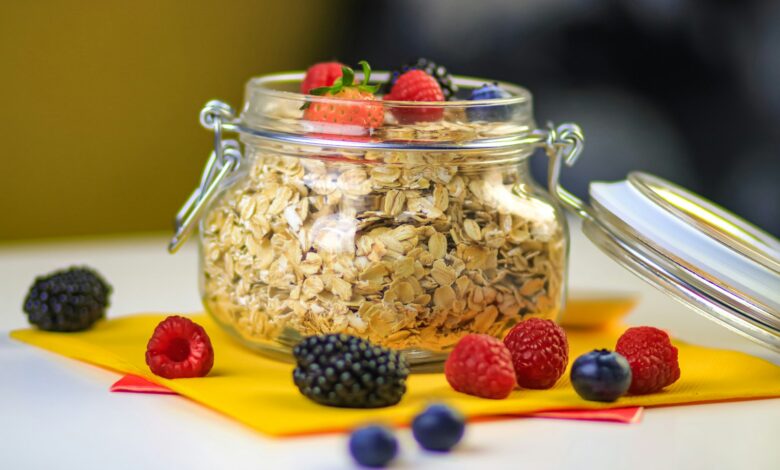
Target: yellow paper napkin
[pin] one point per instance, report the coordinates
(260, 393)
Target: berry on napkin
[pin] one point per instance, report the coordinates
(540, 352)
(68, 300)
(652, 357)
(179, 348)
(601, 375)
(350, 372)
(480, 365)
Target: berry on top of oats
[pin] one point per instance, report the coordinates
(349, 104)
(319, 75)
(448, 87)
(416, 85)
(489, 91)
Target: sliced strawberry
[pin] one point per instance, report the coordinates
(348, 104)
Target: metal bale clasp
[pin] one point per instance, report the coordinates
(224, 159)
(563, 145)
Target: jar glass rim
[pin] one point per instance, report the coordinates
(264, 84)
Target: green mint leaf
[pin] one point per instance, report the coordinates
(370, 88)
(347, 75)
(366, 71)
(319, 91)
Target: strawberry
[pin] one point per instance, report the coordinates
(359, 108)
(416, 85)
(320, 75)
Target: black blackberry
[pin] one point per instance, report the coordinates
(345, 371)
(68, 300)
(439, 72)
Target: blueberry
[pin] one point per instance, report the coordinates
(373, 446)
(601, 375)
(489, 113)
(438, 428)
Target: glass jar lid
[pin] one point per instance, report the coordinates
(707, 258)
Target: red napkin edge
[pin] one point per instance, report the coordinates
(135, 384)
(628, 415)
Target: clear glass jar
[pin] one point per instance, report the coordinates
(411, 235)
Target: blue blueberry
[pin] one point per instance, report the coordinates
(489, 91)
(373, 446)
(438, 428)
(601, 375)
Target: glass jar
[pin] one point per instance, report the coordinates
(411, 235)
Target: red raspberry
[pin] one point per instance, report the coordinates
(179, 348)
(320, 75)
(540, 352)
(652, 357)
(416, 85)
(480, 365)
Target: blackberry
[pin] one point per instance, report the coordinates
(68, 300)
(439, 72)
(349, 372)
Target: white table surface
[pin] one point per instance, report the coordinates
(57, 413)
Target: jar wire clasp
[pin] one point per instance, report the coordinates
(563, 145)
(224, 159)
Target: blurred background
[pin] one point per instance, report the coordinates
(101, 98)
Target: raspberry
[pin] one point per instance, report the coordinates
(416, 85)
(448, 87)
(480, 365)
(540, 352)
(179, 348)
(320, 75)
(652, 357)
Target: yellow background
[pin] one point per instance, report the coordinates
(100, 101)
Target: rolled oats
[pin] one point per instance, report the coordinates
(408, 249)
